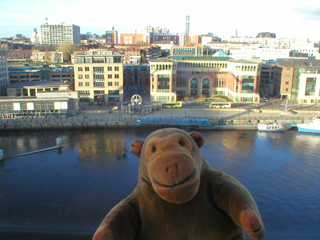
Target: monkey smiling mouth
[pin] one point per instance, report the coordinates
(177, 184)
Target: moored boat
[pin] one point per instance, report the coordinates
(270, 127)
(312, 127)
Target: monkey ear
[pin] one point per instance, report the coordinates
(136, 147)
(198, 138)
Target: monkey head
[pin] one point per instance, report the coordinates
(171, 161)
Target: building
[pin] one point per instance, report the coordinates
(187, 30)
(35, 37)
(19, 55)
(44, 73)
(166, 38)
(131, 38)
(55, 34)
(31, 89)
(136, 80)
(300, 80)
(112, 36)
(99, 76)
(256, 53)
(4, 74)
(52, 56)
(196, 50)
(174, 79)
(44, 104)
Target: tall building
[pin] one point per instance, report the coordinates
(98, 76)
(4, 75)
(112, 36)
(187, 27)
(35, 37)
(55, 34)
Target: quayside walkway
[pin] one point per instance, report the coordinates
(99, 118)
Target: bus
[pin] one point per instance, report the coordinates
(171, 105)
(220, 105)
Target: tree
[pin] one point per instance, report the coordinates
(67, 49)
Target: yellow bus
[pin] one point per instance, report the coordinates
(171, 105)
(220, 105)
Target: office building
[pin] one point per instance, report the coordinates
(99, 76)
(299, 80)
(174, 79)
(44, 73)
(4, 74)
(55, 34)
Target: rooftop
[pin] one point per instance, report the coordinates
(38, 84)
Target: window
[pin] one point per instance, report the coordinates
(288, 76)
(287, 82)
(87, 76)
(79, 69)
(109, 75)
(80, 84)
(98, 69)
(80, 76)
(288, 69)
(310, 86)
(87, 84)
(116, 68)
(116, 76)
(86, 68)
(287, 89)
(116, 84)
(163, 83)
(110, 84)
(109, 68)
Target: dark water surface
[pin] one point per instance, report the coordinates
(69, 191)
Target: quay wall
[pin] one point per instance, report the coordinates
(96, 124)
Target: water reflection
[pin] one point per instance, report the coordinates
(98, 150)
(76, 187)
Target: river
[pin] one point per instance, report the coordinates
(69, 191)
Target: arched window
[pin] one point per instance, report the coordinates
(205, 86)
(194, 87)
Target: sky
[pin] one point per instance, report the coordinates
(285, 18)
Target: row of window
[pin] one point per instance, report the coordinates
(98, 69)
(110, 92)
(98, 76)
(98, 83)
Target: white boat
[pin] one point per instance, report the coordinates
(270, 127)
(312, 127)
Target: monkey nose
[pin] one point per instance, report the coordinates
(172, 171)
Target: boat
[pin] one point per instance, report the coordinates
(271, 127)
(312, 127)
(174, 121)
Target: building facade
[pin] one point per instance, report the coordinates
(173, 80)
(44, 73)
(43, 105)
(99, 76)
(31, 89)
(196, 50)
(55, 34)
(4, 74)
(131, 38)
(300, 80)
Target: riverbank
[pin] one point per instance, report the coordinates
(221, 119)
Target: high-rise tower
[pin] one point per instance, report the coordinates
(188, 25)
(187, 28)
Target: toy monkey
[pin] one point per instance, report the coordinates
(180, 197)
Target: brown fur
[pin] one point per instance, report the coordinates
(180, 197)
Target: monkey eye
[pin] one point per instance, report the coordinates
(153, 149)
(181, 142)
